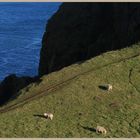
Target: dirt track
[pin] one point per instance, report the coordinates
(58, 85)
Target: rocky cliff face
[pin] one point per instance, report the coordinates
(79, 31)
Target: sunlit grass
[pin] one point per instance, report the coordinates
(80, 105)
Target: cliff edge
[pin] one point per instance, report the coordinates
(79, 31)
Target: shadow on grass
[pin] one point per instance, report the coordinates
(38, 115)
(102, 87)
(88, 128)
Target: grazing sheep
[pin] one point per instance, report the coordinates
(106, 87)
(109, 87)
(100, 129)
(48, 115)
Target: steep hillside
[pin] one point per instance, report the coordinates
(78, 104)
(79, 31)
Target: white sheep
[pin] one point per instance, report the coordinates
(109, 87)
(48, 115)
(100, 129)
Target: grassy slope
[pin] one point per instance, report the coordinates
(80, 105)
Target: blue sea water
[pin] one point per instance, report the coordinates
(21, 29)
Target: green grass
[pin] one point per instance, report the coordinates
(80, 105)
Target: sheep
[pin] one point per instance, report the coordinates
(48, 115)
(100, 129)
(106, 87)
(109, 87)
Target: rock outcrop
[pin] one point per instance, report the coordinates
(10, 86)
(79, 31)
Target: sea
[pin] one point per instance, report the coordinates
(22, 25)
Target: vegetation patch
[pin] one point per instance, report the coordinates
(77, 103)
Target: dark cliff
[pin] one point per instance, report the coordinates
(79, 31)
(10, 86)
